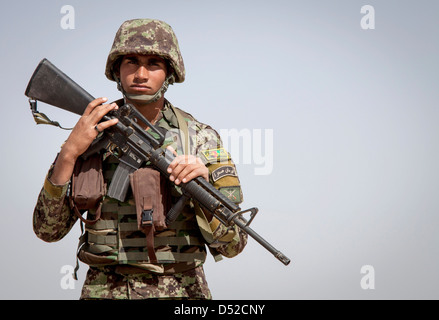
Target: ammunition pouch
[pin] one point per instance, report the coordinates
(87, 187)
(152, 203)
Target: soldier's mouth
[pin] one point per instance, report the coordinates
(140, 88)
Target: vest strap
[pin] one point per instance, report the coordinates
(104, 242)
(162, 257)
(182, 124)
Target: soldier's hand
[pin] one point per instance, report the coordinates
(88, 127)
(85, 131)
(184, 168)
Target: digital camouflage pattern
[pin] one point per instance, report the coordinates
(146, 36)
(53, 219)
(110, 283)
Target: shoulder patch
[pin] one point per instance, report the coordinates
(216, 155)
(233, 193)
(222, 172)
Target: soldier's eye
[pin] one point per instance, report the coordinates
(154, 62)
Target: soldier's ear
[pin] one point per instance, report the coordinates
(116, 66)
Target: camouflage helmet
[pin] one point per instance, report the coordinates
(146, 36)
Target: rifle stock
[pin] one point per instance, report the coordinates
(50, 85)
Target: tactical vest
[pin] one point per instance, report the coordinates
(115, 238)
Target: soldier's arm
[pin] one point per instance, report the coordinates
(223, 176)
(82, 135)
(227, 241)
(52, 217)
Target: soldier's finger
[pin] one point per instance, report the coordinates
(191, 175)
(177, 160)
(174, 169)
(182, 173)
(106, 124)
(188, 173)
(92, 105)
(101, 111)
(172, 150)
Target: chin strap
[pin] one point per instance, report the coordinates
(145, 98)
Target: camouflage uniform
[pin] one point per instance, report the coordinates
(53, 219)
(119, 265)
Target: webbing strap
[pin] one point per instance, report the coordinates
(182, 124)
(41, 118)
(161, 241)
(104, 224)
(177, 225)
(113, 207)
(82, 241)
(99, 249)
(162, 256)
(111, 240)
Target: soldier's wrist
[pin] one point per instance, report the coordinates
(63, 168)
(69, 153)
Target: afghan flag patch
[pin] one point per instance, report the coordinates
(216, 155)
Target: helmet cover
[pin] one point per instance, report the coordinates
(146, 36)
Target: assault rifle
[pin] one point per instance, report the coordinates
(50, 85)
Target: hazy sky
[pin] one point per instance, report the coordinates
(338, 143)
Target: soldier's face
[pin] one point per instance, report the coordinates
(142, 74)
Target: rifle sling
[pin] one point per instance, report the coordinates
(182, 124)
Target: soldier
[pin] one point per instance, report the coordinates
(126, 261)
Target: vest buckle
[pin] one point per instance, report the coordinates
(147, 217)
